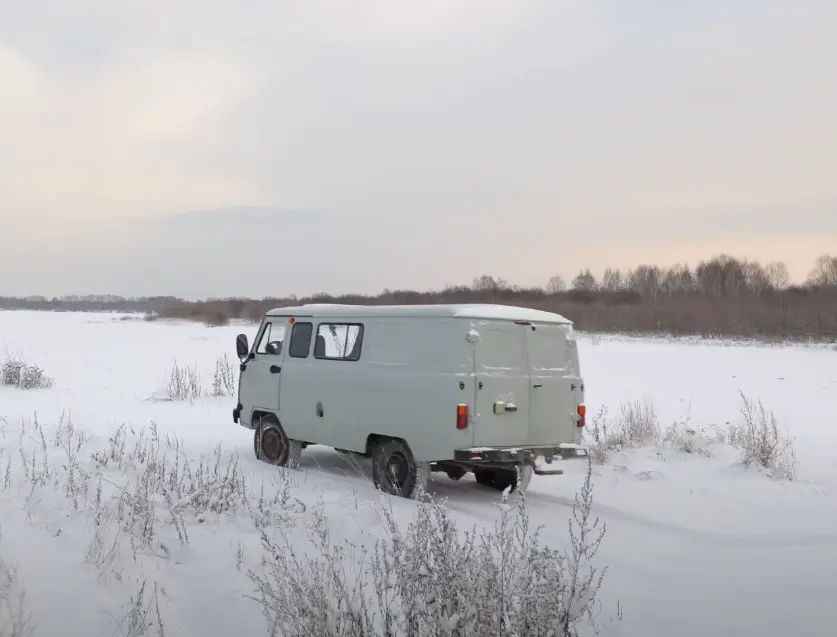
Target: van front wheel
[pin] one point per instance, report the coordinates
(272, 445)
(395, 470)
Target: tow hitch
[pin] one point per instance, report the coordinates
(569, 452)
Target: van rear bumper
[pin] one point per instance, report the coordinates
(519, 455)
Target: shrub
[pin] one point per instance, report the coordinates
(15, 372)
(758, 438)
(223, 383)
(431, 579)
(216, 318)
(636, 426)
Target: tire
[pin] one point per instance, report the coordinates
(455, 473)
(273, 446)
(497, 479)
(485, 477)
(395, 470)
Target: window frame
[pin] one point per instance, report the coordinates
(310, 340)
(361, 331)
(268, 325)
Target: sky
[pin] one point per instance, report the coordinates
(270, 147)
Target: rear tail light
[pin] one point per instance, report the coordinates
(462, 416)
(582, 416)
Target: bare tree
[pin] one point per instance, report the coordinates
(777, 273)
(489, 284)
(585, 280)
(756, 277)
(721, 276)
(824, 273)
(677, 280)
(556, 284)
(645, 280)
(612, 280)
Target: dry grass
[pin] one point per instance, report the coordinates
(16, 372)
(432, 579)
(757, 436)
(15, 620)
(761, 443)
(426, 578)
(636, 426)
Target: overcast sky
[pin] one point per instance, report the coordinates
(263, 147)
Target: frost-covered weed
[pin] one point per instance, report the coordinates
(223, 382)
(636, 426)
(688, 438)
(143, 615)
(16, 372)
(15, 620)
(183, 384)
(761, 443)
(431, 579)
(141, 491)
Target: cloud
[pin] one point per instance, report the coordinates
(435, 140)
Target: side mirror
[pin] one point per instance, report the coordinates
(242, 347)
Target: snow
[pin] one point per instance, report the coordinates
(507, 313)
(477, 311)
(695, 545)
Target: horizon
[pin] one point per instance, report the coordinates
(503, 282)
(314, 147)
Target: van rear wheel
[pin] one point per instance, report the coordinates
(395, 470)
(498, 479)
(273, 446)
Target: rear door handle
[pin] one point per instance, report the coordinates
(537, 385)
(275, 369)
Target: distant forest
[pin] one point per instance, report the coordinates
(721, 297)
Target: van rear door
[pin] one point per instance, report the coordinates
(556, 385)
(501, 376)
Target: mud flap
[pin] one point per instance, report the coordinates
(525, 476)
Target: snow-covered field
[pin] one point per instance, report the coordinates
(695, 545)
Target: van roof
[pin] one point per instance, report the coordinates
(465, 310)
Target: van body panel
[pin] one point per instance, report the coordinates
(407, 383)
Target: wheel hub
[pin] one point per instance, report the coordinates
(397, 470)
(271, 444)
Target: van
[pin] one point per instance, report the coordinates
(490, 389)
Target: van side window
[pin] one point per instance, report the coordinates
(301, 340)
(338, 341)
(272, 339)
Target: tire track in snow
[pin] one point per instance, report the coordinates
(704, 537)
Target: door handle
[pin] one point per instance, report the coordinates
(537, 385)
(275, 369)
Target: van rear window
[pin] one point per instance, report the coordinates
(301, 340)
(339, 341)
(548, 349)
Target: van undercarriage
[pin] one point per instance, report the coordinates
(509, 458)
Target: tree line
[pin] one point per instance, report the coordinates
(722, 296)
